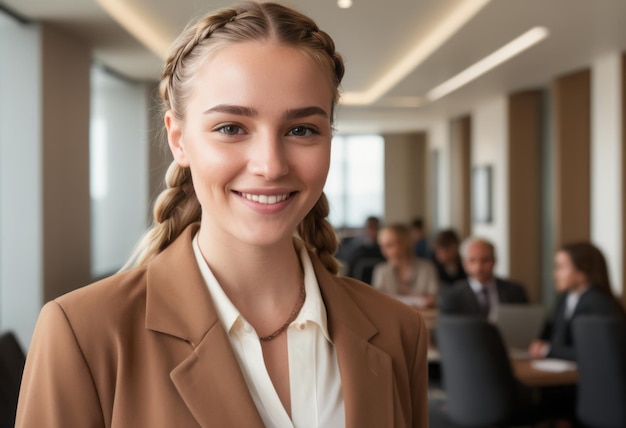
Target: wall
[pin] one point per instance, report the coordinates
(606, 155)
(65, 139)
(489, 147)
(119, 191)
(405, 175)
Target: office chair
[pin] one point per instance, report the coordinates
(12, 360)
(478, 379)
(600, 343)
(364, 268)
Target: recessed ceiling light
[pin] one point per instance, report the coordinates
(424, 48)
(344, 4)
(505, 53)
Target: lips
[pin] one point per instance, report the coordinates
(265, 199)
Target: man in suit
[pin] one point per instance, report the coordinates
(481, 292)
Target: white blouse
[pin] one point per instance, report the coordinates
(315, 383)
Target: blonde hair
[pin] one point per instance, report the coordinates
(177, 206)
(402, 232)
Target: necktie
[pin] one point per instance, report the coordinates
(485, 304)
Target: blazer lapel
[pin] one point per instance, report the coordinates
(366, 371)
(178, 303)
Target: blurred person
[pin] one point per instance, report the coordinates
(481, 292)
(447, 258)
(410, 278)
(363, 251)
(232, 296)
(582, 280)
(421, 246)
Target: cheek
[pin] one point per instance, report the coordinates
(312, 166)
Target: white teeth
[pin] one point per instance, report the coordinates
(265, 199)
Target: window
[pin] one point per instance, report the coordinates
(118, 169)
(355, 184)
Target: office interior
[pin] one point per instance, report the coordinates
(81, 140)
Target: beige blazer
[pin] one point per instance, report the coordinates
(144, 348)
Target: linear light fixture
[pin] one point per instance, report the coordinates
(505, 53)
(422, 50)
(136, 23)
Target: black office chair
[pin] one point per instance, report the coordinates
(364, 268)
(12, 359)
(600, 343)
(478, 379)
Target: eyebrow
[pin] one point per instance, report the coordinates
(290, 114)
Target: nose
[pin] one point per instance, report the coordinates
(268, 158)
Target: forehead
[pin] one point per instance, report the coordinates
(479, 249)
(261, 74)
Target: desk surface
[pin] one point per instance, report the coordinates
(526, 373)
(530, 376)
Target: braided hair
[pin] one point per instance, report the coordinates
(178, 206)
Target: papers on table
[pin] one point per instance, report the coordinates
(414, 301)
(553, 365)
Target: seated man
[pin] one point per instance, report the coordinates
(481, 292)
(446, 257)
(364, 252)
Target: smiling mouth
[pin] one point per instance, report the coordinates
(266, 199)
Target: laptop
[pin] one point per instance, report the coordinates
(519, 324)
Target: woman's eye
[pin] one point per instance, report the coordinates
(230, 129)
(302, 131)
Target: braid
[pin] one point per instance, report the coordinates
(175, 208)
(173, 75)
(316, 231)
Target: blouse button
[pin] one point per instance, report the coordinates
(301, 326)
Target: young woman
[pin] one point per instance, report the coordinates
(231, 313)
(581, 277)
(405, 276)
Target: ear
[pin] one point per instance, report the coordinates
(175, 139)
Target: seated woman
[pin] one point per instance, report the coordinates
(581, 277)
(403, 275)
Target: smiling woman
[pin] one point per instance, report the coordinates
(230, 312)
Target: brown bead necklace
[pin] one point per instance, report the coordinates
(292, 316)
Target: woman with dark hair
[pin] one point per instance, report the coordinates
(581, 277)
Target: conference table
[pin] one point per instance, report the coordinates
(527, 371)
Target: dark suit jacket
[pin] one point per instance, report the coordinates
(445, 279)
(145, 348)
(558, 330)
(460, 299)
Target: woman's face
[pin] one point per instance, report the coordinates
(256, 137)
(391, 246)
(566, 276)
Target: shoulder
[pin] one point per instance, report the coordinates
(106, 304)
(459, 286)
(505, 283)
(596, 301)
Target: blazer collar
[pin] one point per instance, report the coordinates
(366, 371)
(210, 381)
(178, 303)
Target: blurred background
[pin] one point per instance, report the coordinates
(499, 118)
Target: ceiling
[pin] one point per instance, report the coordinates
(374, 37)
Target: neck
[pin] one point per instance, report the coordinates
(580, 288)
(253, 275)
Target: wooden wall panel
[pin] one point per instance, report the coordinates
(572, 121)
(460, 175)
(524, 193)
